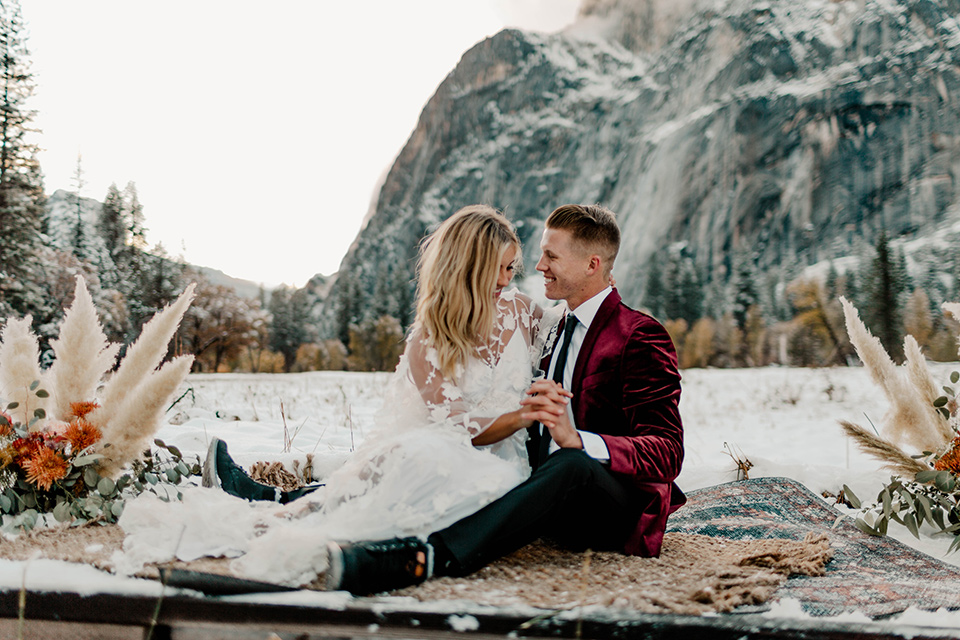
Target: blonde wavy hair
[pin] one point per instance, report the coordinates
(456, 278)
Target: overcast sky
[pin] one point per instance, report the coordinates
(254, 131)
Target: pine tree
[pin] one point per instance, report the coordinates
(111, 224)
(21, 185)
(655, 295)
(691, 292)
(289, 327)
(882, 286)
(746, 294)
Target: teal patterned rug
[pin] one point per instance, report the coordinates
(876, 576)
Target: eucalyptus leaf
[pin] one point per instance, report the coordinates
(34, 385)
(941, 401)
(117, 508)
(927, 508)
(91, 477)
(42, 393)
(62, 512)
(13, 405)
(151, 478)
(4, 422)
(851, 497)
(887, 502)
(911, 522)
(172, 475)
(944, 413)
(943, 480)
(954, 545)
(6, 504)
(160, 443)
(863, 526)
(106, 486)
(174, 451)
(86, 459)
(926, 476)
(182, 468)
(40, 413)
(954, 377)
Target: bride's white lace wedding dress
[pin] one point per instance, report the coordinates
(417, 472)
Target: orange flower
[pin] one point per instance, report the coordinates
(81, 409)
(81, 434)
(7, 457)
(950, 461)
(6, 424)
(44, 467)
(26, 447)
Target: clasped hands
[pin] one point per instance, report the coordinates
(547, 403)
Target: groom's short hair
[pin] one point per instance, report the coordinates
(593, 226)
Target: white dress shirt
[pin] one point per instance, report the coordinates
(593, 444)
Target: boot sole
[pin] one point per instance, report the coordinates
(334, 575)
(210, 478)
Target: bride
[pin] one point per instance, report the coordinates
(450, 437)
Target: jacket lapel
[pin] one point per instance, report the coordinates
(593, 334)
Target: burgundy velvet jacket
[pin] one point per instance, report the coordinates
(626, 388)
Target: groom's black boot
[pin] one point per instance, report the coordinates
(373, 567)
(222, 472)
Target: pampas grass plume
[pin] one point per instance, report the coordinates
(911, 418)
(19, 368)
(132, 428)
(141, 358)
(82, 355)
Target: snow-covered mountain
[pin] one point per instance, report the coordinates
(793, 130)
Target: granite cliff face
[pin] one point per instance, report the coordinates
(793, 131)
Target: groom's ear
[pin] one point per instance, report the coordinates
(594, 265)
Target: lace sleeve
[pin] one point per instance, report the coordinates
(444, 399)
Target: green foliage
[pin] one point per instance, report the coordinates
(83, 496)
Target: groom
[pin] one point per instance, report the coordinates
(608, 445)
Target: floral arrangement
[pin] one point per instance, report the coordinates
(72, 444)
(922, 417)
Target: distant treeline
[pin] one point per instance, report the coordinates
(754, 318)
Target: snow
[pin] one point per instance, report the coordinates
(784, 420)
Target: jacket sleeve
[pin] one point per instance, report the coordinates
(652, 449)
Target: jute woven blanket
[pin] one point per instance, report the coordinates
(694, 575)
(876, 576)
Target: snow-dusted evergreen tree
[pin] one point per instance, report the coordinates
(21, 185)
(880, 297)
(744, 282)
(290, 323)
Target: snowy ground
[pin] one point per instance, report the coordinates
(783, 420)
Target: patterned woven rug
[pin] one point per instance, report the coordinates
(877, 576)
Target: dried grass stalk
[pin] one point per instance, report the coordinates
(19, 368)
(82, 355)
(141, 358)
(911, 418)
(132, 428)
(893, 457)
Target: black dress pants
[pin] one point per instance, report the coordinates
(571, 498)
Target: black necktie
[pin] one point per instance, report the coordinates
(569, 324)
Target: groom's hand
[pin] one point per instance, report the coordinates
(547, 402)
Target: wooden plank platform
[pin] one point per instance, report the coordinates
(68, 615)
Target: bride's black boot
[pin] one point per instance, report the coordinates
(222, 472)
